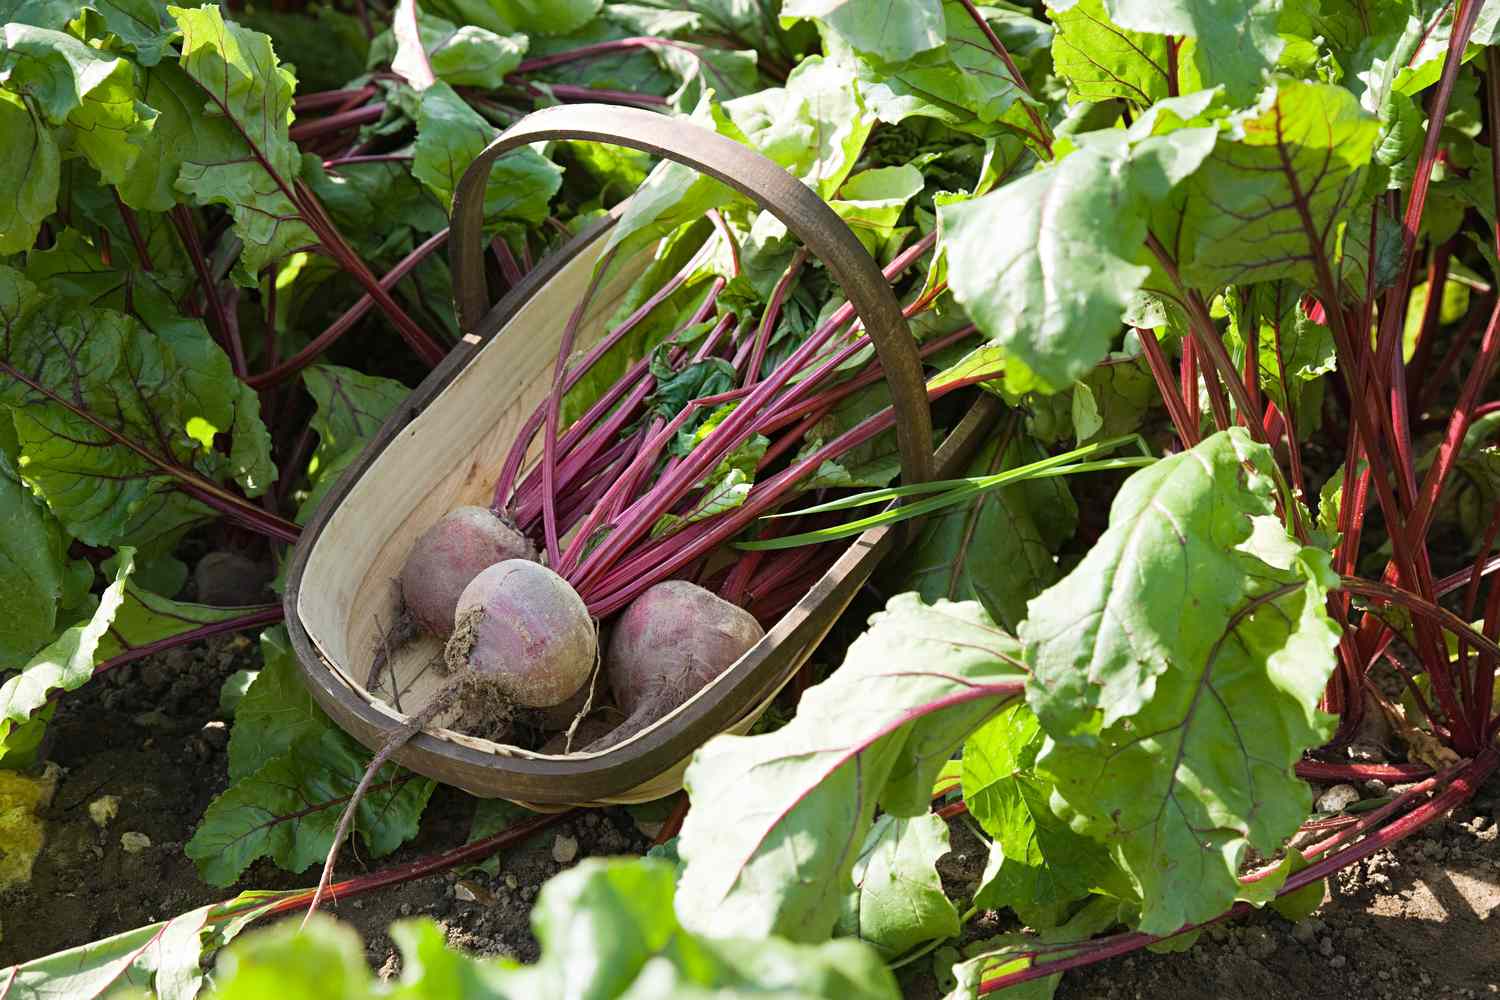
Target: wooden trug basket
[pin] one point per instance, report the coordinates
(444, 444)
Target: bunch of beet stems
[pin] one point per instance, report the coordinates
(606, 471)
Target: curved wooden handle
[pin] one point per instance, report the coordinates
(750, 173)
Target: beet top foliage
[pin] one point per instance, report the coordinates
(1262, 234)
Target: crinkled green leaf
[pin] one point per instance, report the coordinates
(276, 711)
(123, 405)
(288, 809)
(450, 134)
(29, 167)
(1177, 671)
(1101, 60)
(888, 31)
(898, 898)
(32, 568)
(1237, 41)
(1263, 204)
(1041, 861)
(998, 549)
(871, 202)
(961, 83)
(64, 665)
(778, 819)
(244, 158)
(77, 85)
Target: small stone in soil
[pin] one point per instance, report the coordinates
(1338, 961)
(134, 843)
(564, 849)
(103, 809)
(1338, 798)
(1325, 947)
(215, 733)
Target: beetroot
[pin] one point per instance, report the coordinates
(448, 556)
(523, 627)
(667, 645)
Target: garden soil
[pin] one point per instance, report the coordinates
(1420, 921)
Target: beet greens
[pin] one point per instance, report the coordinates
(1255, 242)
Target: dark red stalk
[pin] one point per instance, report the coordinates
(427, 349)
(772, 314)
(1427, 335)
(509, 269)
(1458, 425)
(337, 122)
(514, 459)
(422, 867)
(572, 92)
(1324, 771)
(554, 409)
(1394, 315)
(325, 99)
(218, 324)
(289, 368)
(1161, 372)
(133, 227)
(1188, 377)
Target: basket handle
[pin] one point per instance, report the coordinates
(744, 169)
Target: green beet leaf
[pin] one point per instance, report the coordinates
(1046, 265)
(275, 712)
(898, 898)
(998, 549)
(145, 617)
(1041, 861)
(778, 819)
(66, 664)
(961, 83)
(288, 809)
(450, 134)
(29, 166)
(76, 85)
(1177, 671)
(1101, 60)
(32, 568)
(163, 960)
(887, 31)
(466, 55)
(606, 930)
(1274, 197)
(351, 406)
(118, 415)
(244, 158)
(1237, 42)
